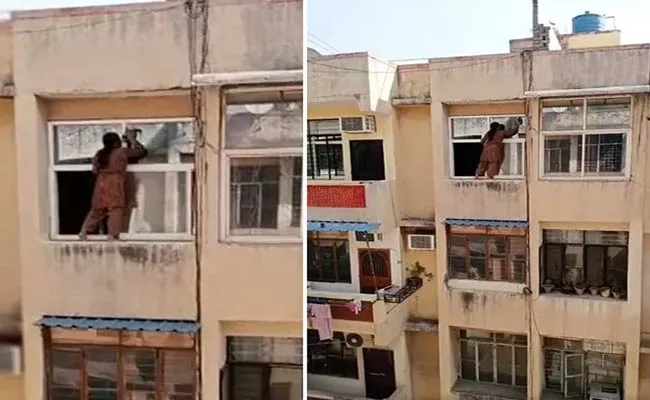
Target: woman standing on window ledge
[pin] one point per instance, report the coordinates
(493, 148)
(109, 195)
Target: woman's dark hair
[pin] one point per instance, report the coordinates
(494, 127)
(111, 140)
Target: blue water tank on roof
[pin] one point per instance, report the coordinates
(588, 22)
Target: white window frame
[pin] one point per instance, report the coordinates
(583, 134)
(186, 168)
(295, 233)
(515, 139)
(494, 343)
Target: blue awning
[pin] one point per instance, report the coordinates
(128, 324)
(492, 223)
(341, 226)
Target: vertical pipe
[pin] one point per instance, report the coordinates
(536, 33)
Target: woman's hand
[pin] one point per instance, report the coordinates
(131, 135)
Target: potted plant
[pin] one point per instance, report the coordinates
(617, 291)
(416, 273)
(605, 291)
(593, 290)
(579, 288)
(548, 286)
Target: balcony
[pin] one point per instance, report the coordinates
(352, 202)
(383, 315)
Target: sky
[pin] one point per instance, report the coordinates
(420, 29)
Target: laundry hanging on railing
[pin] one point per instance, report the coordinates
(322, 320)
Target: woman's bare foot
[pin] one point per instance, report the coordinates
(113, 238)
(83, 236)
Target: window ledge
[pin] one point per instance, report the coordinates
(327, 294)
(261, 240)
(486, 286)
(125, 237)
(495, 391)
(496, 179)
(585, 179)
(587, 297)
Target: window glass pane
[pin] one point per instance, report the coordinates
(77, 144)
(296, 193)
(562, 115)
(248, 381)
(553, 263)
(553, 370)
(324, 126)
(156, 202)
(469, 128)
(101, 370)
(458, 257)
(521, 366)
(513, 156)
(485, 362)
(605, 153)
(606, 238)
(595, 263)
(263, 125)
(478, 257)
(503, 119)
(167, 142)
(285, 384)
(468, 360)
(617, 266)
(65, 381)
(139, 373)
(504, 364)
(179, 374)
(263, 196)
(562, 154)
(608, 113)
(332, 357)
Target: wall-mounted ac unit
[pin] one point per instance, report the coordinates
(10, 359)
(368, 237)
(358, 124)
(421, 242)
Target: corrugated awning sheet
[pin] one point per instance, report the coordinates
(341, 226)
(493, 223)
(128, 324)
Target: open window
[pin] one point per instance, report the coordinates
(262, 171)
(466, 147)
(367, 160)
(159, 187)
(325, 149)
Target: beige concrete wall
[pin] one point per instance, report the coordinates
(425, 300)
(9, 263)
(11, 387)
(644, 376)
(338, 81)
(423, 354)
(155, 280)
(113, 43)
(413, 81)
(463, 79)
(6, 53)
(617, 66)
(592, 39)
(257, 284)
(414, 163)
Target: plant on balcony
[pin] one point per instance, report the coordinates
(416, 274)
(605, 291)
(617, 291)
(580, 288)
(593, 290)
(548, 286)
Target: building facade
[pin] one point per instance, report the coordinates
(199, 297)
(538, 274)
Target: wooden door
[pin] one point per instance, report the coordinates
(374, 270)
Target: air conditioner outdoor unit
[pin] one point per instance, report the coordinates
(604, 391)
(358, 124)
(10, 359)
(421, 242)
